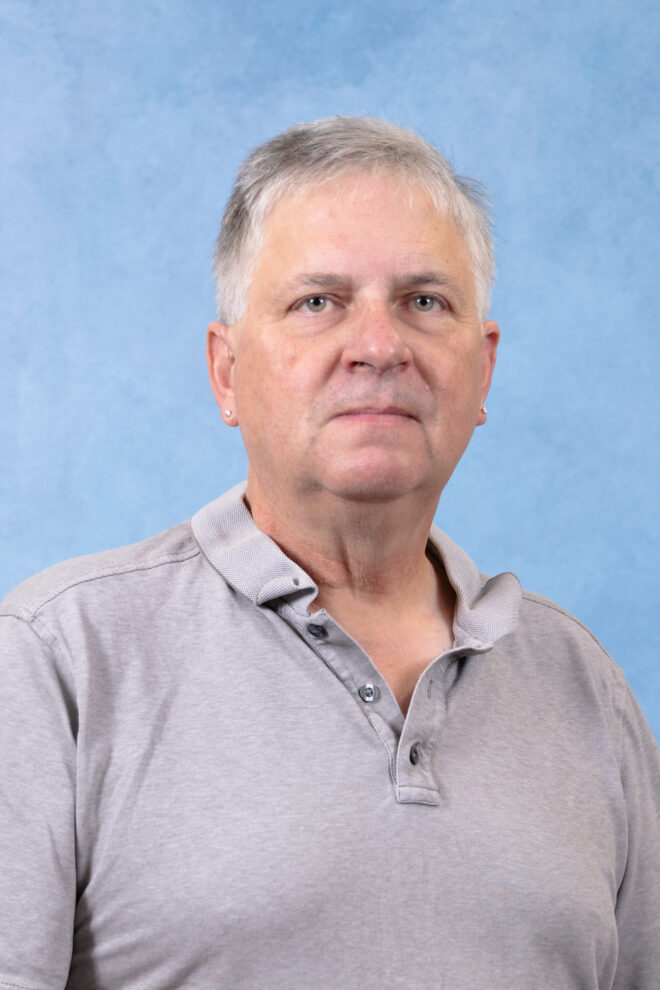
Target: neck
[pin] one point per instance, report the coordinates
(374, 553)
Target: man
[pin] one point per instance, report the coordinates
(300, 741)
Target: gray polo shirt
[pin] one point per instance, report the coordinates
(204, 785)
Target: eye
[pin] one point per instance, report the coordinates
(314, 304)
(424, 303)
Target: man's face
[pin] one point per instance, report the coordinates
(360, 364)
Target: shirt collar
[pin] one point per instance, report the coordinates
(254, 565)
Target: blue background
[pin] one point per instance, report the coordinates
(122, 125)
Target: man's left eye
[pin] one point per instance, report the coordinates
(315, 304)
(425, 304)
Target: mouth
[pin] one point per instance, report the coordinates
(372, 412)
(369, 415)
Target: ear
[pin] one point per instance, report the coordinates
(220, 361)
(490, 336)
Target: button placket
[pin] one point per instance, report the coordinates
(360, 676)
(355, 670)
(421, 737)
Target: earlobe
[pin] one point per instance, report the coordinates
(490, 338)
(220, 361)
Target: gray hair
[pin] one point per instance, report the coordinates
(308, 154)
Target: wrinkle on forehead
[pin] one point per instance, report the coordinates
(353, 194)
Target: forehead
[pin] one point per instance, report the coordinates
(358, 219)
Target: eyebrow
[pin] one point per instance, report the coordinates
(315, 280)
(410, 280)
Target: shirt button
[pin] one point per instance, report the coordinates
(414, 754)
(318, 632)
(369, 692)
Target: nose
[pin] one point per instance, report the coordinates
(375, 341)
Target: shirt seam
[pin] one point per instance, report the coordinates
(49, 640)
(621, 705)
(533, 600)
(18, 986)
(33, 610)
(385, 743)
(421, 787)
(619, 702)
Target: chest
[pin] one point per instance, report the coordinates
(237, 823)
(232, 841)
(402, 650)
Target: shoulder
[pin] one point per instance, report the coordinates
(563, 649)
(172, 546)
(546, 617)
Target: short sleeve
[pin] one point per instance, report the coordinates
(37, 810)
(638, 901)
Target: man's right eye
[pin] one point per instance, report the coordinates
(314, 304)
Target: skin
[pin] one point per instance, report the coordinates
(357, 374)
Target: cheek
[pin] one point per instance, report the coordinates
(270, 388)
(458, 374)
(271, 361)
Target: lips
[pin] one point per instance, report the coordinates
(376, 411)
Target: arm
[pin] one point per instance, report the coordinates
(638, 900)
(37, 809)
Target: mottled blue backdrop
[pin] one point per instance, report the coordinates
(122, 125)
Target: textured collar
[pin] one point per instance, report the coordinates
(254, 565)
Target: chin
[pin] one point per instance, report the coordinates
(372, 487)
(375, 475)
